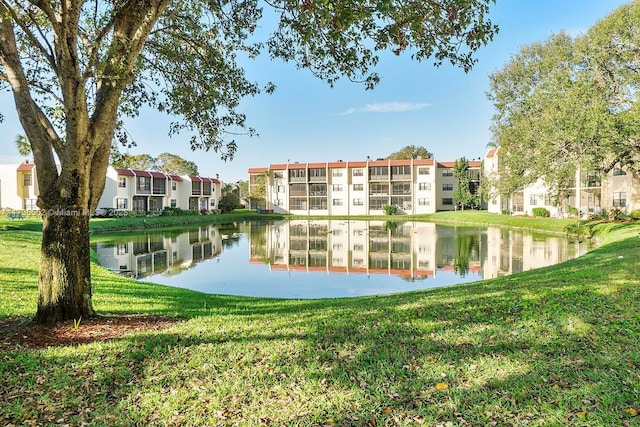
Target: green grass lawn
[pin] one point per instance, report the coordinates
(555, 346)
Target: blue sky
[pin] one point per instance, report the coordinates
(442, 109)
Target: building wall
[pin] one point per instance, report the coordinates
(13, 193)
(589, 192)
(9, 198)
(348, 188)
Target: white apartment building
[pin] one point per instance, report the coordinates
(417, 186)
(137, 190)
(126, 189)
(18, 186)
(589, 192)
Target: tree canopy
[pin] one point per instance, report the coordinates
(410, 152)
(568, 103)
(77, 68)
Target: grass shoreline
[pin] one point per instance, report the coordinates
(553, 346)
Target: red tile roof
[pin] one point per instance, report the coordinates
(26, 167)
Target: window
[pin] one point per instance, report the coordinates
(357, 172)
(424, 186)
(143, 184)
(317, 174)
(447, 201)
(358, 187)
(174, 186)
(337, 187)
(378, 173)
(297, 174)
(298, 204)
(280, 188)
(121, 203)
(358, 247)
(447, 187)
(123, 248)
(447, 172)
(377, 203)
(278, 174)
(424, 171)
(619, 200)
(423, 202)
(122, 182)
(336, 172)
(380, 189)
(26, 181)
(533, 200)
(618, 172)
(401, 188)
(337, 202)
(358, 202)
(174, 203)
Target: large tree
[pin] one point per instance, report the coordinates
(466, 195)
(568, 103)
(410, 152)
(77, 66)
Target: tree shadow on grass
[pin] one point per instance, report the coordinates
(563, 351)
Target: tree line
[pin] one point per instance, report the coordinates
(570, 102)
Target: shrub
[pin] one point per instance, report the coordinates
(578, 231)
(635, 215)
(573, 211)
(603, 214)
(540, 212)
(390, 209)
(506, 212)
(617, 215)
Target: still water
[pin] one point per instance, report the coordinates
(327, 258)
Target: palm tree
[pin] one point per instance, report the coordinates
(492, 144)
(23, 145)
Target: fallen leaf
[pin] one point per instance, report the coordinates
(631, 411)
(442, 386)
(387, 410)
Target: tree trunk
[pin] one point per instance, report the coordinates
(64, 284)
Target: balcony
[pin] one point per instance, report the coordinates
(379, 178)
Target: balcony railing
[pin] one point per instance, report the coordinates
(298, 179)
(400, 177)
(379, 178)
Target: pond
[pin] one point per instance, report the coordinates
(327, 258)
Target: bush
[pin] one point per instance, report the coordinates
(169, 211)
(390, 209)
(229, 202)
(506, 212)
(635, 215)
(578, 231)
(543, 212)
(573, 211)
(617, 215)
(602, 215)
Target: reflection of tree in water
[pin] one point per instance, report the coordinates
(467, 246)
(258, 239)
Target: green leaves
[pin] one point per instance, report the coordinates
(564, 103)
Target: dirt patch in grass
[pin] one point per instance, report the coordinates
(20, 333)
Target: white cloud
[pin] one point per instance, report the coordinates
(349, 111)
(390, 107)
(386, 107)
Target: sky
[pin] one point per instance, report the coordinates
(305, 120)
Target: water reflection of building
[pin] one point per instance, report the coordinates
(160, 253)
(341, 246)
(414, 250)
(512, 251)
